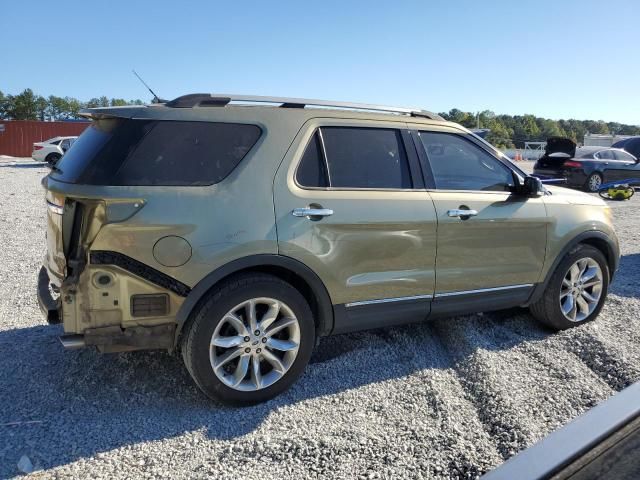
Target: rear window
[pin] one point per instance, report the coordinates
(148, 152)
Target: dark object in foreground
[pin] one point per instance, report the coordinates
(602, 443)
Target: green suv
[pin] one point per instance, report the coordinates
(238, 230)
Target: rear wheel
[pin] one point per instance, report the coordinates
(52, 158)
(577, 290)
(593, 182)
(250, 340)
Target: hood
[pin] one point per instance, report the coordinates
(560, 145)
(576, 197)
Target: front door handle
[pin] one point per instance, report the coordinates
(460, 213)
(312, 213)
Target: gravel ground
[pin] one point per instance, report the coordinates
(451, 398)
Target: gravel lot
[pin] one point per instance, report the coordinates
(451, 398)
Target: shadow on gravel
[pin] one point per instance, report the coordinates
(626, 282)
(59, 406)
(24, 165)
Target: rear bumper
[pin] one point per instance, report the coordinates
(38, 155)
(49, 306)
(573, 178)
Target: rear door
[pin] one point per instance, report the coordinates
(351, 204)
(495, 252)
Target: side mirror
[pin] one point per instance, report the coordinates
(532, 186)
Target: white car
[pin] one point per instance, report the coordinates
(51, 150)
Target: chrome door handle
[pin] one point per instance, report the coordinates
(458, 213)
(312, 212)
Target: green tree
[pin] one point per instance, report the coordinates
(4, 105)
(24, 106)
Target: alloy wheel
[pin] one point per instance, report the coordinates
(594, 182)
(581, 289)
(255, 344)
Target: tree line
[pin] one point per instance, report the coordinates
(511, 131)
(29, 106)
(506, 131)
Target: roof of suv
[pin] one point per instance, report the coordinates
(200, 102)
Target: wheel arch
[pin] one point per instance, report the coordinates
(299, 275)
(594, 238)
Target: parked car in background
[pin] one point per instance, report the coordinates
(51, 150)
(631, 145)
(585, 167)
(238, 234)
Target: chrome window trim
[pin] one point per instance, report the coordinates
(388, 300)
(483, 290)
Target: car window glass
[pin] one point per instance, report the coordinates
(65, 143)
(605, 155)
(366, 158)
(311, 171)
(55, 143)
(148, 152)
(622, 155)
(458, 164)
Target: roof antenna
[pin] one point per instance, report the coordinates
(156, 99)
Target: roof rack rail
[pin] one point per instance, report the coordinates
(221, 100)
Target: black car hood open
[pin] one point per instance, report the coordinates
(560, 145)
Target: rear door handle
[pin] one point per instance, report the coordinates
(459, 213)
(312, 212)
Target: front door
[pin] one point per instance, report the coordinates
(351, 205)
(491, 243)
(624, 167)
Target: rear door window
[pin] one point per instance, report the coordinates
(604, 155)
(356, 158)
(312, 169)
(149, 152)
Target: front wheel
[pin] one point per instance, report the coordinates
(593, 183)
(577, 290)
(250, 340)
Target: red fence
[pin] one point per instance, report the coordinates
(18, 136)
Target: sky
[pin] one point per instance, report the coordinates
(555, 59)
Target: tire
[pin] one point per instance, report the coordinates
(593, 182)
(549, 308)
(52, 158)
(216, 321)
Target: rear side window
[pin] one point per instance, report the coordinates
(144, 152)
(355, 158)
